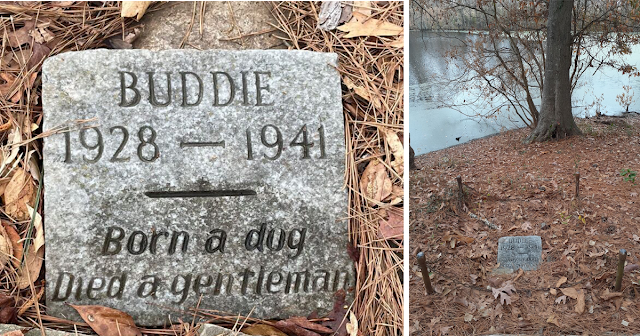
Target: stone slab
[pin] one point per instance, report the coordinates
(519, 252)
(213, 192)
(222, 22)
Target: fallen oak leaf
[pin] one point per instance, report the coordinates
(631, 268)
(107, 321)
(561, 281)
(504, 292)
(371, 27)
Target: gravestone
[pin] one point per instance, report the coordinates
(196, 178)
(519, 252)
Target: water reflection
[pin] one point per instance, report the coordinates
(434, 127)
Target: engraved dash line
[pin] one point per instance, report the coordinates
(202, 144)
(197, 193)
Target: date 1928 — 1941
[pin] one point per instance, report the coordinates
(271, 139)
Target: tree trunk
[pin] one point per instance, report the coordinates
(556, 120)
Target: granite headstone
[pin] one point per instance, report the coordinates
(177, 178)
(519, 252)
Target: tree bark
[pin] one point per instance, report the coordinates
(556, 119)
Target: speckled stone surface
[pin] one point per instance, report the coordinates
(266, 227)
(519, 252)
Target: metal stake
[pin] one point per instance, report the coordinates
(425, 272)
(622, 256)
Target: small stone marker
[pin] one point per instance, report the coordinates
(211, 178)
(519, 252)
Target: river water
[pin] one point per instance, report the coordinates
(434, 126)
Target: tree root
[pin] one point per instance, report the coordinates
(486, 222)
(552, 131)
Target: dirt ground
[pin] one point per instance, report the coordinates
(529, 190)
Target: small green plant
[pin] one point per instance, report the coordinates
(629, 175)
(564, 219)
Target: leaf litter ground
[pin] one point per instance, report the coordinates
(529, 190)
(367, 36)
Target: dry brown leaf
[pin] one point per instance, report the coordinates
(263, 330)
(375, 183)
(134, 8)
(29, 271)
(108, 321)
(305, 323)
(570, 292)
(606, 295)
(292, 328)
(38, 241)
(361, 9)
(6, 248)
(40, 52)
(21, 36)
(14, 239)
(32, 300)
(396, 148)
(397, 195)
(580, 304)
(371, 27)
(561, 281)
(362, 92)
(15, 137)
(398, 43)
(18, 193)
(392, 228)
(7, 88)
(352, 326)
(553, 319)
